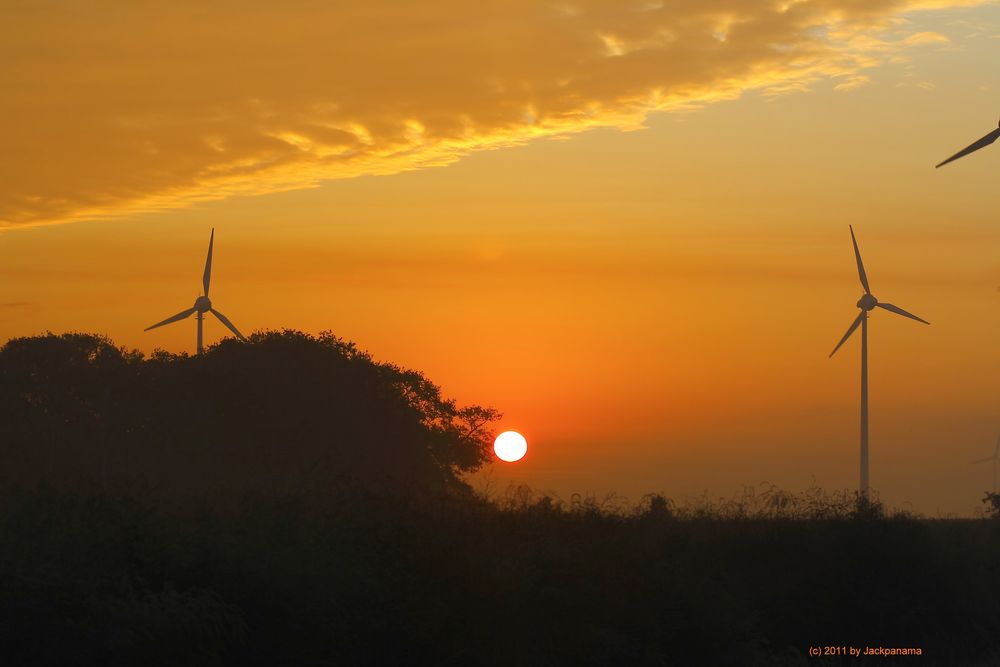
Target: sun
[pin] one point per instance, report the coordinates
(510, 446)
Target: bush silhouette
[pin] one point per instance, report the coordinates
(992, 501)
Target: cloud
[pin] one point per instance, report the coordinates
(114, 107)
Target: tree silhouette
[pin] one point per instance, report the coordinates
(284, 411)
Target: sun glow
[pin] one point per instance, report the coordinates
(510, 446)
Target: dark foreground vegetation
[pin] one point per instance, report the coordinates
(252, 534)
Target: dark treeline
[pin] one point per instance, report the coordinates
(288, 501)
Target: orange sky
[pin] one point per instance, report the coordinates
(652, 308)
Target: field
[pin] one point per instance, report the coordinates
(359, 578)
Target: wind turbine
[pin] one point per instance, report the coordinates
(972, 148)
(996, 459)
(866, 303)
(202, 304)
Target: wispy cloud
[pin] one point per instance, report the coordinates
(116, 107)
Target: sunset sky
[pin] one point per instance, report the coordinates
(622, 223)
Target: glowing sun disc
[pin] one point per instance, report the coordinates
(510, 446)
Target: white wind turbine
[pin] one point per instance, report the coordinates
(202, 304)
(866, 303)
(996, 459)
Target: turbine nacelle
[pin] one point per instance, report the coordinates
(867, 302)
(202, 304)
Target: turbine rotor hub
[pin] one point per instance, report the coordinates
(202, 304)
(867, 302)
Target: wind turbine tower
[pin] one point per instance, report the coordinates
(866, 304)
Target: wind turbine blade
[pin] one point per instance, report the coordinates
(983, 460)
(861, 266)
(184, 314)
(207, 278)
(996, 452)
(225, 320)
(899, 311)
(971, 148)
(854, 325)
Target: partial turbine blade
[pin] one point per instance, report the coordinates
(854, 325)
(983, 460)
(225, 320)
(899, 311)
(982, 143)
(996, 452)
(207, 278)
(184, 314)
(861, 267)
